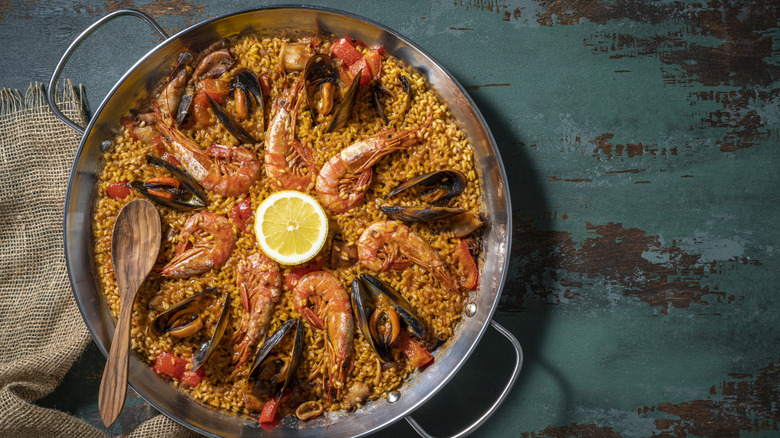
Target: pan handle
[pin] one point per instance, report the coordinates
(95, 26)
(516, 372)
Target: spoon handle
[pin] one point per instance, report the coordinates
(113, 386)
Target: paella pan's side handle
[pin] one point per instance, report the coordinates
(95, 26)
(501, 397)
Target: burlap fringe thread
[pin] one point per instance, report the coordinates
(41, 331)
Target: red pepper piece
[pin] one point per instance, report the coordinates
(468, 274)
(118, 190)
(346, 52)
(176, 367)
(374, 61)
(361, 65)
(170, 365)
(193, 378)
(269, 410)
(418, 356)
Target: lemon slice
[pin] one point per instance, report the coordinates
(290, 227)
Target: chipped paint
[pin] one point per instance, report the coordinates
(661, 276)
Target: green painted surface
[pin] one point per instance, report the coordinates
(642, 139)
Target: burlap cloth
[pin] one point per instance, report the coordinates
(41, 330)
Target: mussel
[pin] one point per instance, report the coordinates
(279, 368)
(186, 318)
(181, 192)
(248, 96)
(229, 123)
(417, 213)
(321, 76)
(344, 109)
(377, 91)
(439, 186)
(379, 311)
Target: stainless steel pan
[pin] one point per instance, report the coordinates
(286, 20)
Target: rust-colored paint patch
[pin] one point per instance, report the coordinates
(748, 406)
(605, 149)
(158, 8)
(5, 9)
(671, 278)
(739, 117)
(572, 430)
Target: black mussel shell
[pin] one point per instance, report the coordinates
(185, 106)
(204, 352)
(229, 123)
(377, 91)
(417, 213)
(191, 197)
(245, 81)
(440, 186)
(362, 307)
(344, 109)
(295, 355)
(320, 69)
(166, 321)
(417, 326)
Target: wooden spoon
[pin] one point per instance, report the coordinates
(134, 247)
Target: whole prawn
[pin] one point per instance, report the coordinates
(259, 282)
(225, 170)
(380, 244)
(288, 162)
(344, 179)
(207, 239)
(331, 312)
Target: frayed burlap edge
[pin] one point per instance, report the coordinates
(41, 330)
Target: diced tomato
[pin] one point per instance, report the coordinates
(200, 110)
(361, 66)
(418, 356)
(269, 410)
(468, 274)
(170, 365)
(374, 61)
(215, 88)
(176, 367)
(118, 190)
(345, 77)
(240, 213)
(346, 52)
(193, 378)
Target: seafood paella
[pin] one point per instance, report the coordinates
(348, 144)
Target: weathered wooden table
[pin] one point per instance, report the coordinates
(641, 141)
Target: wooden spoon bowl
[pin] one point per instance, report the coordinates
(135, 244)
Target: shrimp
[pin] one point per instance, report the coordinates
(288, 162)
(207, 240)
(381, 242)
(259, 282)
(225, 170)
(331, 312)
(344, 179)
